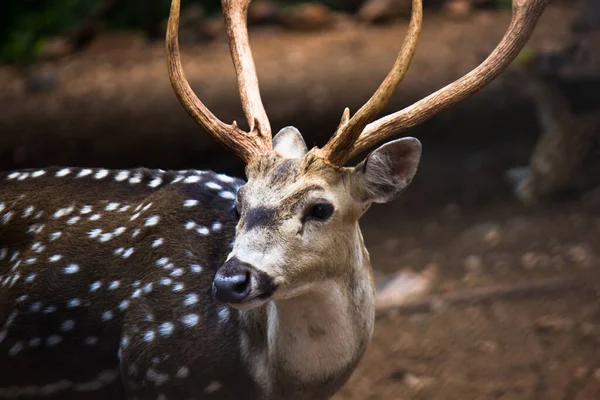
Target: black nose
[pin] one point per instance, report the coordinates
(232, 283)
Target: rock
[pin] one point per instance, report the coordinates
(406, 286)
(554, 323)
(308, 17)
(264, 12)
(532, 259)
(581, 255)
(458, 8)
(473, 263)
(382, 11)
(486, 232)
(418, 383)
(492, 236)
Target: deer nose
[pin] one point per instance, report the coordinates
(232, 283)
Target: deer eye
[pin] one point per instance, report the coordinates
(320, 211)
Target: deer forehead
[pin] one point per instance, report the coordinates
(278, 182)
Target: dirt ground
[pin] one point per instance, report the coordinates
(116, 109)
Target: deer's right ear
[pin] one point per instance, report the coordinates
(289, 143)
(387, 170)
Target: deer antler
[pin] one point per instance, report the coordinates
(525, 14)
(340, 145)
(246, 145)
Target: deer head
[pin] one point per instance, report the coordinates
(299, 211)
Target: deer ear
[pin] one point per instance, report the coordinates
(388, 170)
(289, 143)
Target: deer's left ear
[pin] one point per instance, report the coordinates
(387, 170)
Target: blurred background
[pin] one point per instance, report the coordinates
(504, 212)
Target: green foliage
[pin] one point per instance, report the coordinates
(26, 24)
(525, 56)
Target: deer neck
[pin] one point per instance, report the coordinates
(315, 339)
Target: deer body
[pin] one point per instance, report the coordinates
(115, 295)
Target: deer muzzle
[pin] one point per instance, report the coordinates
(239, 283)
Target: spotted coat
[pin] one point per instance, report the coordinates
(104, 273)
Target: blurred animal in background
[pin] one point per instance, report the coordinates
(564, 85)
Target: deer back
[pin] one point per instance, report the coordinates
(94, 262)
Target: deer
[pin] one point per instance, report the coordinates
(154, 284)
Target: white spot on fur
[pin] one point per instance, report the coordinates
(63, 172)
(71, 269)
(190, 203)
(122, 175)
(190, 299)
(28, 211)
(91, 341)
(149, 336)
(55, 235)
(182, 373)
(153, 220)
(107, 315)
(103, 173)
(85, 210)
(95, 217)
(196, 268)
(190, 320)
(227, 195)
(155, 182)
(166, 329)
(15, 349)
(212, 387)
(53, 340)
(203, 231)
(124, 305)
(67, 325)
(213, 185)
(112, 206)
(190, 225)
(127, 253)
(165, 281)
(178, 287)
(6, 218)
(192, 179)
(73, 220)
(84, 172)
(73, 303)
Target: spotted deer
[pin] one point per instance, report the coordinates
(151, 284)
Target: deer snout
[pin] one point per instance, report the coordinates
(238, 282)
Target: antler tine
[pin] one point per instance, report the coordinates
(236, 19)
(525, 15)
(246, 146)
(337, 149)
